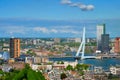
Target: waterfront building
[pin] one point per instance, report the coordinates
(64, 65)
(36, 60)
(41, 67)
(115, 70)
(105, 43)
(117, 45)
(14, 47)
(98, 70)
(100, 31)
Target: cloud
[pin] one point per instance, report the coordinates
(82, 6)
(54, 31)
(59, 30)
(41, 29)
(69, 31)
(45, 30)
(66, 2)
(15, 29)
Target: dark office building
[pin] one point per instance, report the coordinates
(105, 43)
(14, 47)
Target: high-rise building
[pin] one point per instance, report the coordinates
(14, 47)
(100, 31)
(117, 45)
(105, 43)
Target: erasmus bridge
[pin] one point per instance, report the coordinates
(82, 49)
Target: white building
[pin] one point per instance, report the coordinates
(61, 66)
(41, 67)
(115, 70)
(36, 60)
(98, 70)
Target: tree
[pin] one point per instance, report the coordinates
(63, 76)
(78, 67)
(62, 62)
(69, 67)
(31, 52)
(58, 62)
(25, 74)
(81, 67)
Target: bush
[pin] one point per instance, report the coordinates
(63, 76)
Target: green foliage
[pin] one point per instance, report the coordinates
(31, 52)
(1, 61)
(113, 77)
(49, 63)
(60, 62)
(91, 44)
(69, 67)
(71, 44)
(1, 72)
(81, 67)
(25, 74)
(31, 76)
(81, 73)
(63, 76)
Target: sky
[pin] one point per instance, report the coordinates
(58, 18)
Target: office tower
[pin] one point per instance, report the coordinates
(100, 31)
(14, 47)
(117, 45)
(105, 43)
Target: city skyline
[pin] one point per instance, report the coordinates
(58, 18)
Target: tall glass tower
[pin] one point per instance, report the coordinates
(100, 31)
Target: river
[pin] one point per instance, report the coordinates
(104, 63)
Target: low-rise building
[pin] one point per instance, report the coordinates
(6, 68)
(98, 70)
(11, 60)
(115, 70)
(29, 60)
(41, 67)
(64, 65)
(35, 60)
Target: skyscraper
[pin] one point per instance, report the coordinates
(14, 47)
(100, 31)
(105, 43)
